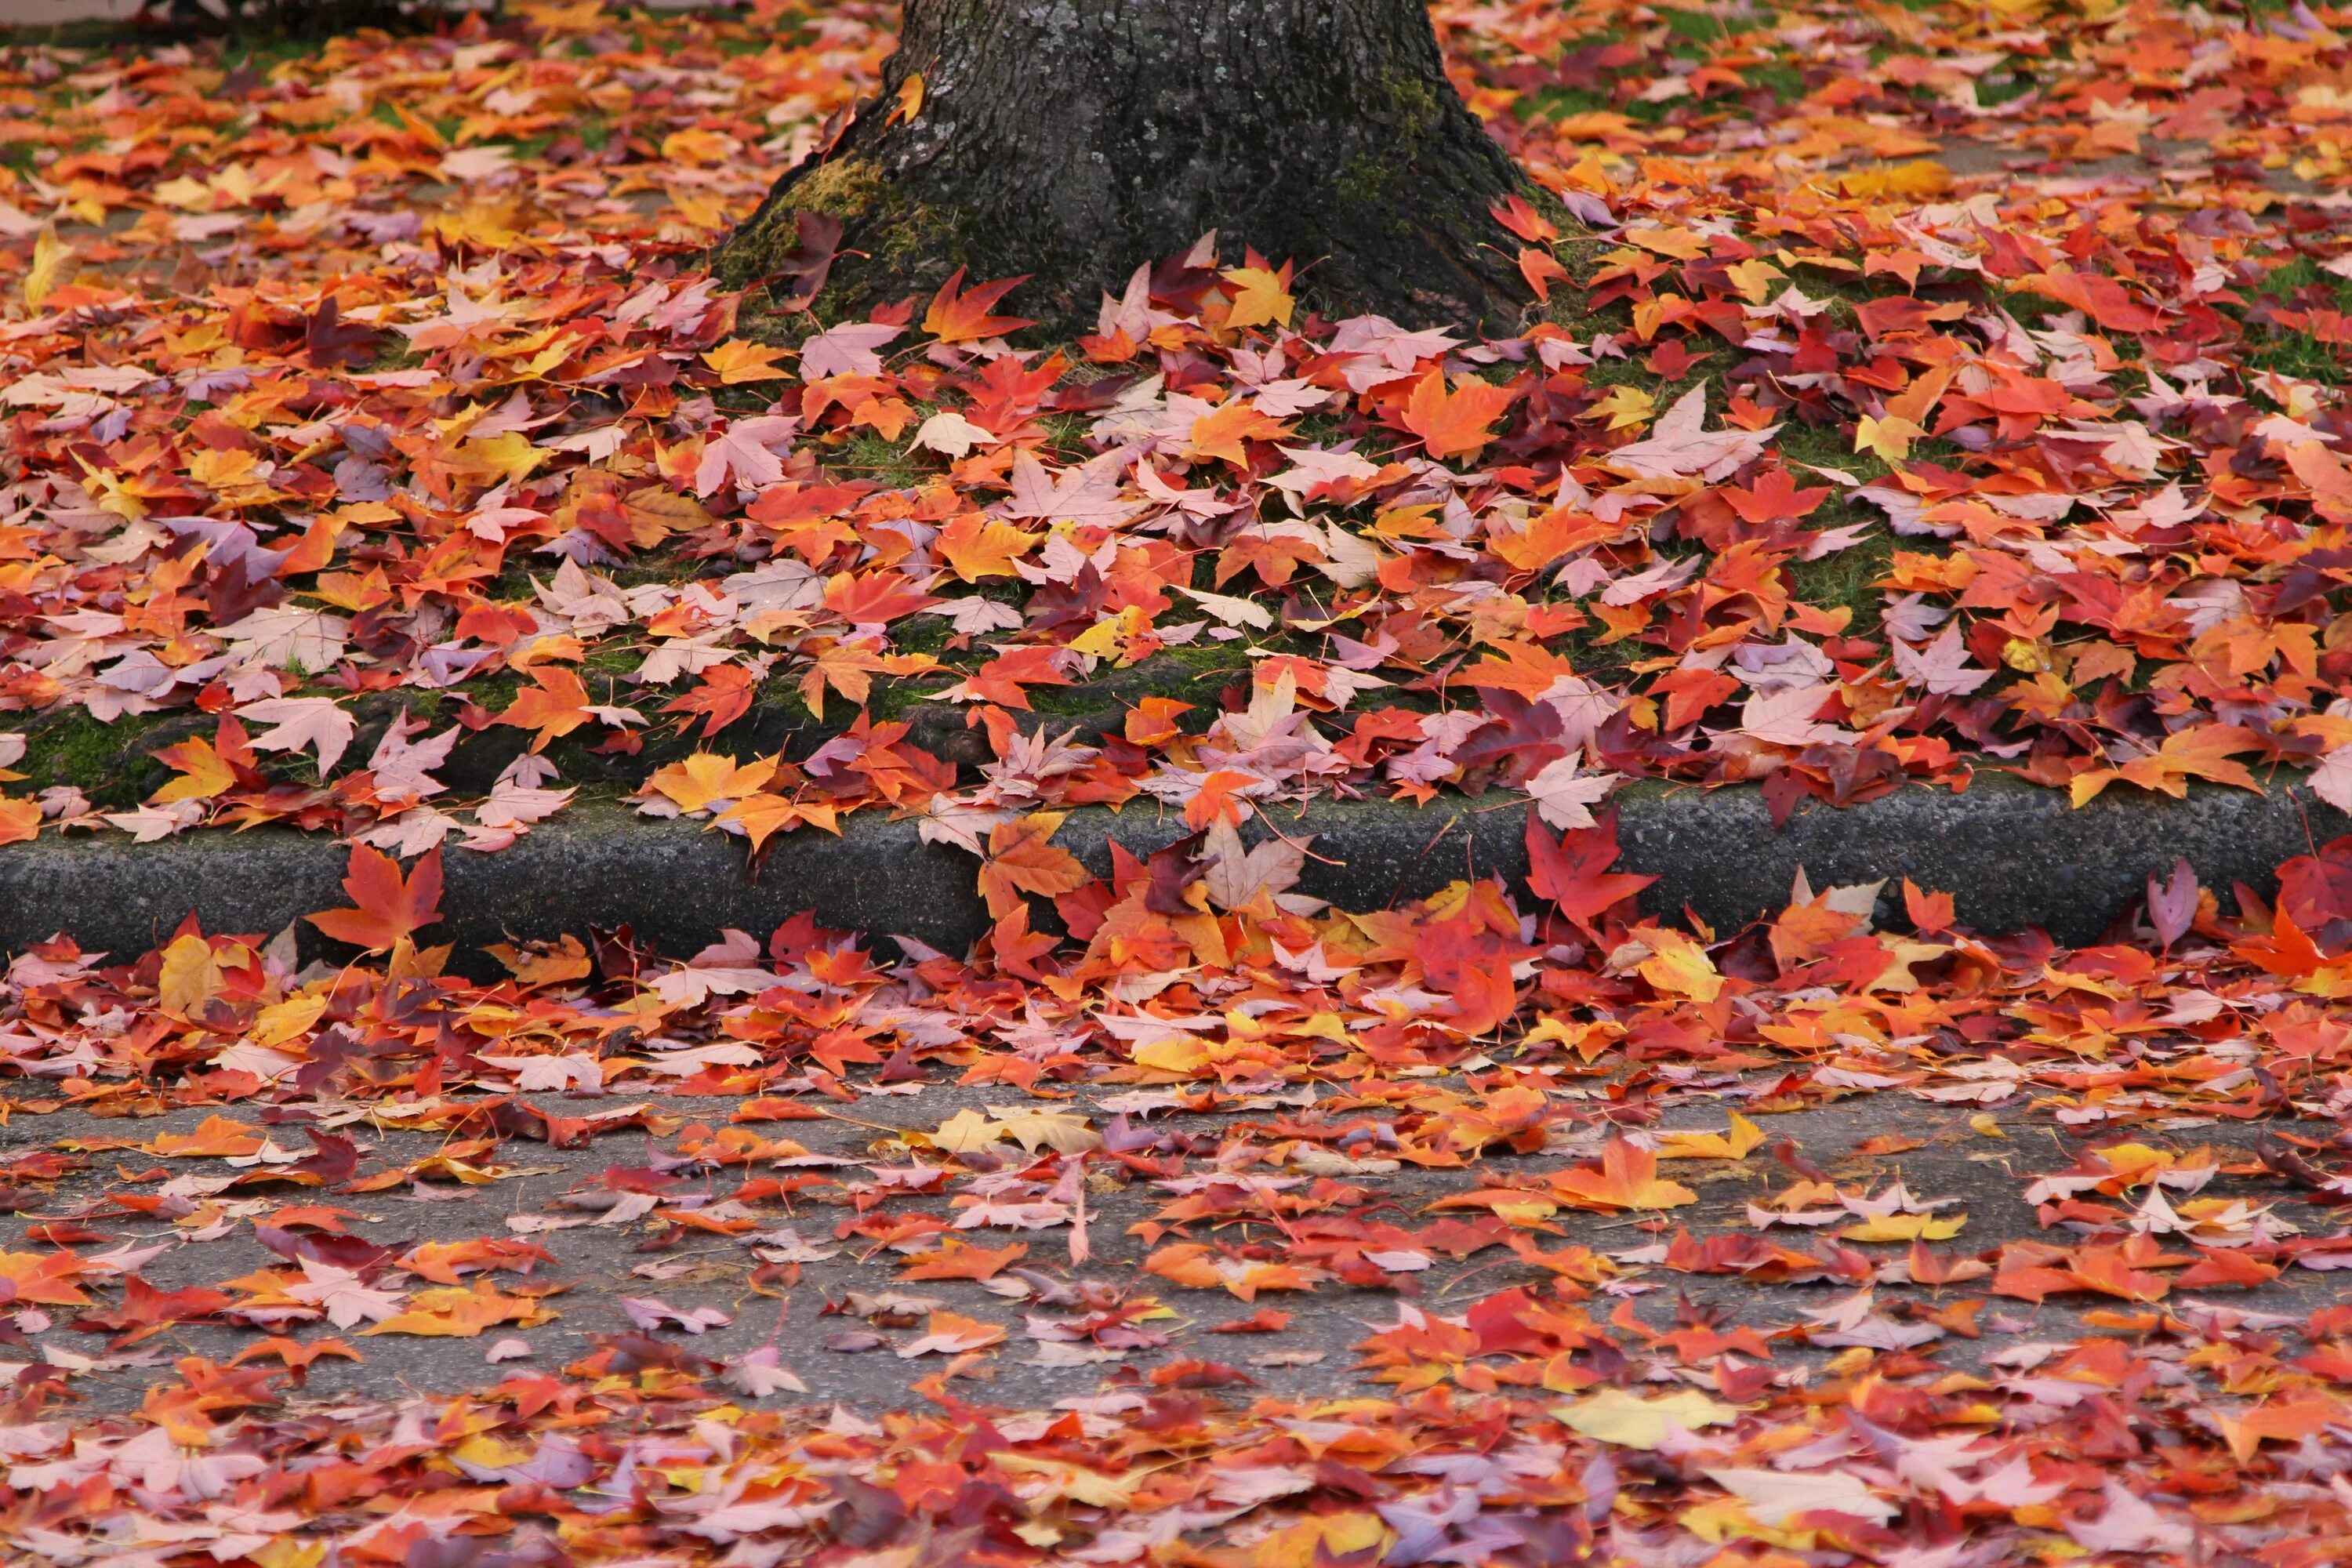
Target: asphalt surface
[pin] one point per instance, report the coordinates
(839, 1324)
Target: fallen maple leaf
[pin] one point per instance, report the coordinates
(951, 1333)
(957, 1259)
(313, 722)
(386, 906)
(1020, 861)
(978, 547)
(1221, 432)
(650, 1312)
(555, 705)
(2199, 752)
(1624, 1178)
(1573, 870)
(1681, 444)
(203, 773)
(737, 361)
(462, 1313)
(1458, 423)
(958, 315)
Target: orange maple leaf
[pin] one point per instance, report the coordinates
(960, 1260)
(1513, 213)
(1626, 1178)
(42, 1277)
(558, 706)
(1930, 912)
(1001, 679)
(387, 906)
(1541, 268)
(2202, 752)
(962, 317)
(2289, 1419)
(1221, 432)
(1020, 860)
(765, 816)
(1527, 668)
(2106, 1270)
(20, 820)
(1199, 1268)
(220, 1137)
(204, 773)
(977, 546)
(1454, 424)
(2218, 1265)
(461, 1313)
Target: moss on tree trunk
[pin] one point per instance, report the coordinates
(1074, 140)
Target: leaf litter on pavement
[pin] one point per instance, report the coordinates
(1521, 1146)
(1935, 390)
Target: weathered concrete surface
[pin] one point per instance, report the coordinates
(2013, 855)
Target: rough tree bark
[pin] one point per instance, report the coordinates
(1073, 139)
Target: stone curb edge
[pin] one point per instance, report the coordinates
(2010, 854)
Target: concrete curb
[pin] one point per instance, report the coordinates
(2012, 855)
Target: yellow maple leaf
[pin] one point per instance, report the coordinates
(281, 1021)
(1753, 278)
(1904, 1227)
(737, 361)
(49, 257)
(1259, 298)
(1678, 964)
(1625, 407)
(189, 978)
(1627, 1420)
(1744, 1136)
(1325, 1538)
(1890, 438)
(1116, 636)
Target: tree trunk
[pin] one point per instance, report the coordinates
(1073, 139)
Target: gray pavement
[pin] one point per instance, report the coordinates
(839, 1315)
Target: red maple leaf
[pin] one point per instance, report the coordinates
(724, 695)
(386, 906)
(1574, 872)
(962, 317)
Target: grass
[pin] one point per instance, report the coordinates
(891, 463)
(2300, 355)
(1847, 580)
(68, 747)
(2285, 351)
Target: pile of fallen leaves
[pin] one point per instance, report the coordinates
(1931, 390)
(1451, 1114)
(1928, 390)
